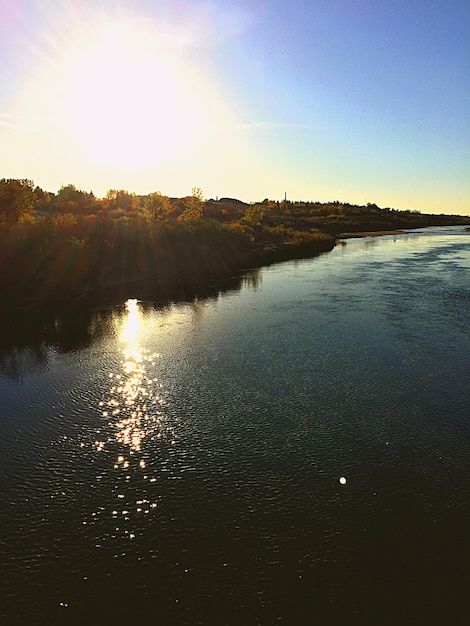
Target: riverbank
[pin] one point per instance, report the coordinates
(63, 314)
(47, 268)
(156, 247)
(376, 233)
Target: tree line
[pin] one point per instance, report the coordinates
(22, 199)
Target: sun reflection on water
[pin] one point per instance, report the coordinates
(134, 405)
(134, 412)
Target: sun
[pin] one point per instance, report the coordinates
(132, 98)
(124, 99)
(122, 93)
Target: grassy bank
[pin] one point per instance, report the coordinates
(55, 262)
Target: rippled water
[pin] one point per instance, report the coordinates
(294, 451)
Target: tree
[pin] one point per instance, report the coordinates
(157, 206)
(194, 204)
(69, 199)
(43, 198)
(17, 196)
(253, 219)
(121, 199)
(253, 215)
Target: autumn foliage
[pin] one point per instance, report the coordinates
(55, 248)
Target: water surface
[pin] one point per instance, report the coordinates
(294, 451)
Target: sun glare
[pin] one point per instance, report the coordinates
(134, 407)
(123, 92)
(132, 99)
(132, 323)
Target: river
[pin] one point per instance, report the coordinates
(293, 449)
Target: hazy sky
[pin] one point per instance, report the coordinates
(351, 100)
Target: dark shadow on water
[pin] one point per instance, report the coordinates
(27, 336)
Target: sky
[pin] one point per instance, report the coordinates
(351, 100)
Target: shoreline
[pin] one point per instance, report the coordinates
(373, 233)
(174, 279)
(158, 285)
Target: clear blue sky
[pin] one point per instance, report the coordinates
(354, 100)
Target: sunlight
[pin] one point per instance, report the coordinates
(132, 98)
(127, 98)
(122, 91)
(134, 406)
(132, 323)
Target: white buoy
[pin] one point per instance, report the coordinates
(342, 480)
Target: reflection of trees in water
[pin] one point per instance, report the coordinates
(15, 363)
(252, 279)
(28, 339)
(65, 331)
(27, 336)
